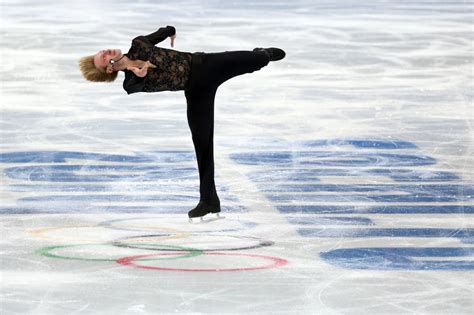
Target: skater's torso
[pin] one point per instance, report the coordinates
(172, 70)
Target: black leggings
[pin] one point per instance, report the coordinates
(216, 68)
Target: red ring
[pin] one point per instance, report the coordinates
(277, 262)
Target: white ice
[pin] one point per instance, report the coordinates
(361, 138)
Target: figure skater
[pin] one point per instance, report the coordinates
(153, 69)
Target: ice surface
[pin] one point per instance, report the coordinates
(345, 171)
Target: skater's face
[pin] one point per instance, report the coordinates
(102, 59)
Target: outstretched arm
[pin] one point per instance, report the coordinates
(161, 34)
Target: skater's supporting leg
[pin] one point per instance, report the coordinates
(200, 112)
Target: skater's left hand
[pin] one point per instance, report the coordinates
(172, 40)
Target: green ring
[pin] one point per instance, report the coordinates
(45, 251)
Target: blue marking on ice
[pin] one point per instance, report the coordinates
(433, 189)
(402, 209)
(304, 175)
(411, 197)
(62, 156)
(373, 144)
(401, 258)
(115, 198)
(332, 158)
(286, 180)
(388, 232)
(330, 220)
(123, 178)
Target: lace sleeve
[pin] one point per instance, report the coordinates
(158, 36)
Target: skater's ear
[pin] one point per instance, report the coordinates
(109, 70)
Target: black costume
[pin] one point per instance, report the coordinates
(199, 75)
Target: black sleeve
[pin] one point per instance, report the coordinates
(132, 83)
(160, 35)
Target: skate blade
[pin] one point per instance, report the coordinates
(198, 220)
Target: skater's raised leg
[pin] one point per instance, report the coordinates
(226, 65)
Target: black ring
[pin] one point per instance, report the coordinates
(261, 243)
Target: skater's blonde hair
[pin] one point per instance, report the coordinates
(94, 74)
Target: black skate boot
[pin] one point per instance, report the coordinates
(202, 209)
(273, 53)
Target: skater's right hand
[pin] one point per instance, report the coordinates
(141, 72)
(172, 38)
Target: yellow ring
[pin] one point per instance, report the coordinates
(40, 233)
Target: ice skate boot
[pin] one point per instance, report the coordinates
(204, 208)
(273, 53)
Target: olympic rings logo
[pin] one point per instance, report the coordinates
(123, 246)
